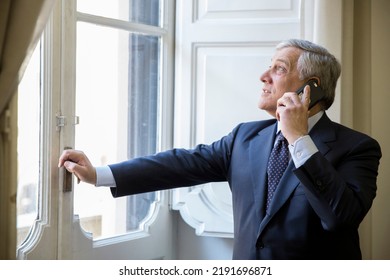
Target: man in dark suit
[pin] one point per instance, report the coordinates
(326, 190)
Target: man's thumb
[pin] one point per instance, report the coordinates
(70, 166)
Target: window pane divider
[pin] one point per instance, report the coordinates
(120, 24)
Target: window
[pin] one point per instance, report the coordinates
(29, 93)
(118, 93)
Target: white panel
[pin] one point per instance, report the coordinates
(227, 87)
(206, 210)
(246, 5)
(249, 10)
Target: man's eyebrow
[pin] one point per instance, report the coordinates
(285, 61)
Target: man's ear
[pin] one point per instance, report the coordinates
(317, 79)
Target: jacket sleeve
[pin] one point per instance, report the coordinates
(341, 186)
(174, 168)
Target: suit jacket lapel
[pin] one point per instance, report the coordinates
(322, 133)
(289, 182)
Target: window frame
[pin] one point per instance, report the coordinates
(51, 235)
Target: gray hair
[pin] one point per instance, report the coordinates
(316, 61)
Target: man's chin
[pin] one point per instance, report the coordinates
(268, 109)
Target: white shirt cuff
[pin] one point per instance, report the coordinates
(104, 177)
(302, 149)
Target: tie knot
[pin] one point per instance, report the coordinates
(280, 137)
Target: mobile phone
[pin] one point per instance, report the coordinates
(316, 92)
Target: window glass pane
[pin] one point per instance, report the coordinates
(117, 93)
(142, 113)
(139, 11)
(28, 147)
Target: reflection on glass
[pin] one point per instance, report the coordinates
(117, 97)
(139, 11)
(28, 147)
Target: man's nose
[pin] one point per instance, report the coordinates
(265, 77)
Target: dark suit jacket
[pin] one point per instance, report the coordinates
(316, 209)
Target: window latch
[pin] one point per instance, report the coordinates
(61, 121)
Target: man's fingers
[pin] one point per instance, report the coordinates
(77, 163)
(306, 96)
(71, 166)
(61, 160)
(65, 156)
(83, 173)
(71, 155)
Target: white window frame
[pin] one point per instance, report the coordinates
(50, 236)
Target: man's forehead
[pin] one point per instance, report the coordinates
(287, 55)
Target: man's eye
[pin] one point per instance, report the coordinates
(281, 69)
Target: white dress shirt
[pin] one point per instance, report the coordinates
(303, 148)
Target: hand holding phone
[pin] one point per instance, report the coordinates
(316, 92)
